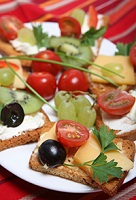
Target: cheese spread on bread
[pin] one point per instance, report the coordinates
(30, 122)
(25, 47)
(125, 123)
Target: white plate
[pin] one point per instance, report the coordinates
(16, 159)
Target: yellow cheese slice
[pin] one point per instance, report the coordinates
(51, 134)
(127, 73)
(91, 149)
(88, 152)
(121, 159)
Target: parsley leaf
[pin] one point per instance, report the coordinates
(103, 169)
(124, 49)
(91, 35)
(42, 38)
(105, 138)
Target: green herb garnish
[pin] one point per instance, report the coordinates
(42, 39)
(90, 63)
(101, 168)
(27, 85)
(89, 37)
(60, 63)
(124, 49)
(105, 138)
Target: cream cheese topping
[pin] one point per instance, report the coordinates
(29, 123)
(26, 47)
(126, 123)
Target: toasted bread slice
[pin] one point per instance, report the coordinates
(78, 175)
(121, 133)
(127, 147)
(26, 136)
(100, 88)
(6, 49)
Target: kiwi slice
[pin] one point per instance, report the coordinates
(29, 102)
(72, 47)
(55, 42)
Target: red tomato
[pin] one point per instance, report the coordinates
(9, 26)
(93, 17)
(43, 83)
(71, 133)
(3, 64)
(45, 66)
(72, 80)
(133, 55)
(116, 102)
(69, 26)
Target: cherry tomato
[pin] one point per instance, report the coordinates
(43, 83)
(71, 133)
(72, 80)
(133, 55)
(116, 102)
(9, 26)
(45, 66)
(69, 26)
(3, 64)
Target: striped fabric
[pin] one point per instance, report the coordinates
(122, 14)
(14, 188)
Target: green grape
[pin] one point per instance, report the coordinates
(115, 67)
(79, 15)
(26, 35)
(6, 77)
(60, 96)
(66, 110)
(87, 116)
(79, 102)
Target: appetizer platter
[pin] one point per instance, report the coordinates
(73, 117)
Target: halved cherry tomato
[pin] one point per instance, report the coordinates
(71, 133)
(9, 26)
(45, 66)
(72, 80)
(4, 64)
(43, 83)
(133, 55)
(93, 17)
(69, 26)
(116, 102)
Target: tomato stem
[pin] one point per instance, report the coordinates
(27, 85)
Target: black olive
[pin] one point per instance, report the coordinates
(12, 114)
(51, 153)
